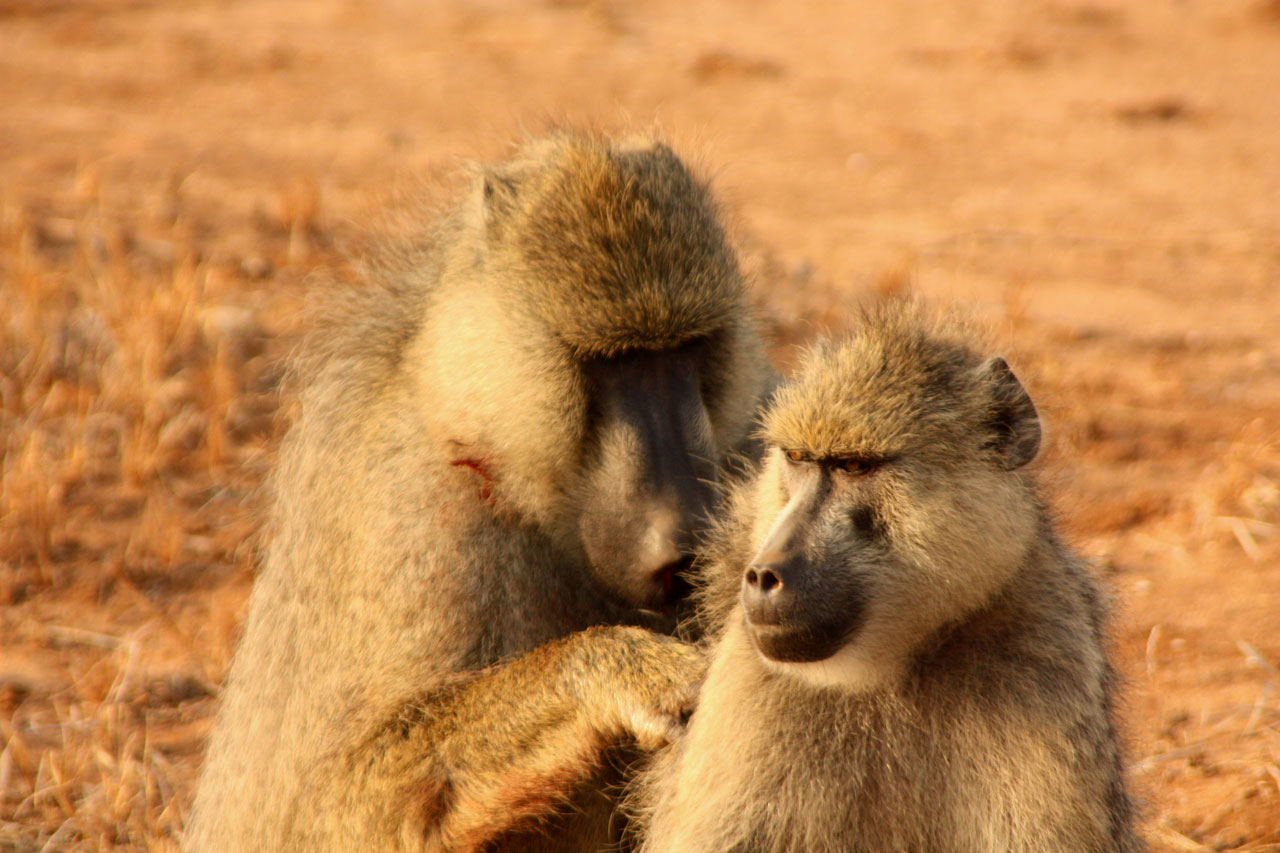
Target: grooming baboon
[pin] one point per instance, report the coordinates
(509, 438)
(906, 656)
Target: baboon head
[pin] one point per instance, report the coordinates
(603, 355)
(891, 500)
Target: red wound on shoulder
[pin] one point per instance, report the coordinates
(481, 467)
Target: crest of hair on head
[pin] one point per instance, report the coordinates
(886, 376)
(618, 248)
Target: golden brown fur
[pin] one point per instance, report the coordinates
(967, 705)
(409, 676)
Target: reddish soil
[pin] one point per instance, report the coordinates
(1098, 180)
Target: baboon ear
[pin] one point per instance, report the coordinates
(1014, 421)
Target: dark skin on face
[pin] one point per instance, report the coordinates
(649, 484)
(799, 604)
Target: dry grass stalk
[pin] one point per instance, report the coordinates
(136, 404)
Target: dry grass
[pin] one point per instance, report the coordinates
(1238, 494)
(136, 409)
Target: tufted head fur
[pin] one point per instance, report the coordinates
(617, 247)
(906, 382)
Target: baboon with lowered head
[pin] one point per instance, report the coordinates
(905, 655)
(502, 449)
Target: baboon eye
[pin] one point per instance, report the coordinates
(795, 455)
(857, 465)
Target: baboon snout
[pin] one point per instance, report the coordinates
(766, 593)
(797, 610)
(643, 556)
(664, 554)
(648, 485)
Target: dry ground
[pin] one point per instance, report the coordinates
(1099, 179)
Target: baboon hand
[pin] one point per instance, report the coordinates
(654, 686)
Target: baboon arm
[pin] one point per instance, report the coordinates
(509, 744)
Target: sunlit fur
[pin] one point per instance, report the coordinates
(425, 517)
(972, 709)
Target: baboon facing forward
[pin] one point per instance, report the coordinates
(508, 438)
(907, 658)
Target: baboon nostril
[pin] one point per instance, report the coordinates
(765, 597)
(764, 580)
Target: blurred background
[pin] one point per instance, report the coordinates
(1098, 180)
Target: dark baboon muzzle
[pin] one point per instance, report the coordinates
(649, 483)
(792, 615)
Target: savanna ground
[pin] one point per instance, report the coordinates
(1098, 180)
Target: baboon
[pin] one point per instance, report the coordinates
(502, 449)
(905, 655)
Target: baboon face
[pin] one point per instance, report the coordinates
(647, 487)
(890, 505)
(806, 591)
